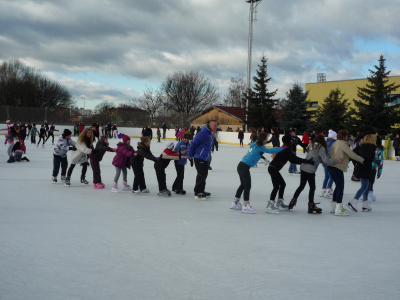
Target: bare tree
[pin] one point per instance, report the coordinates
(234, 95)
(188, 92)
(151, 101)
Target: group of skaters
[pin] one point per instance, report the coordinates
(333, 152)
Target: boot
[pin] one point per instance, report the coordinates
(366, 207)
(271, 209)
(84, 181)
(341, 211)
(353, 205)
(313, 208)
(333, 207)
(322, 194)
(280, 205)
(67, 181)
(292, 203)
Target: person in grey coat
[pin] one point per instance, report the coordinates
(319, 155)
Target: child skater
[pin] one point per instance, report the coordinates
(318, 154)
(83, 146)
(143, 151)
(166, 156)
(250, 160)
(278, 182)
(64, 144)
(42, 135)
(181, 147)
(102, 147)
(19, 149)
(51, 133)
(8, 130)
(33, 134)
(158, 135)
(13, 135)
(121, 161)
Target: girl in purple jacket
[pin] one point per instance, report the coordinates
(121, 162)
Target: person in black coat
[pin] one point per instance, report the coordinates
(278, 182)
(42, 135)
(148, 132)
(396, 146)
(96, 157)
(363, 171)
(241, 137)
(274, 137)
(164, 127)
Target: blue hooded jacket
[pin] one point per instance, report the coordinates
(254, 154)
(183, 146)
(329, 144)
(201, 145)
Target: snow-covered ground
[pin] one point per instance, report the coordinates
(81, 243)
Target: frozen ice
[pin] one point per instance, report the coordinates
(82, 243)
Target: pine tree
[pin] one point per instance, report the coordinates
(294, 109)
(333, 114)
(261, 112)
(374, 111)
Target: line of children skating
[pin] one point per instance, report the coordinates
(335, 155)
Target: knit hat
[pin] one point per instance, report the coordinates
(126, 138)
(66, 132)
(186, 135)
(169, 145)
(286, 139)
(332, 134)
(8, 121)
(104, 137)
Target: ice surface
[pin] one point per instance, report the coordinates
(81, 243)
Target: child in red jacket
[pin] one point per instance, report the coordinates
(19, 149)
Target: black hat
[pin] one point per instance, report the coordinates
(66, 133)
(286, 139)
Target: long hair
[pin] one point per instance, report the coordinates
(342, 134)
(261, 137)
(143, 140)
(369, 139)
(320, 140)
(82, 138)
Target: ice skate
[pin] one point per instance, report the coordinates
(280, 205)
(333, 207)
(290, 172)
(271, 209)
(25, 159)
(371, 197)
(247, 209)
(352, 205)
(114, 188)
(67, 182)
(328, 193)
(296, 173)
(236, 206)
(341, 211)
(292, 203)
(200, 196)
(322, 194)
(136, 192)
(312, 208)
(126, 186)
(366, 207)
(98, 186)
(180, 192)
(84, 181)
(353, 178)
(145, 191)
(209, 168)
(54, 179)
(164, 193)
(208, 195)
(63, 179)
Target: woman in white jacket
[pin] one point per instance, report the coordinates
(83, 146)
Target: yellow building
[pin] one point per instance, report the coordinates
(318, 91)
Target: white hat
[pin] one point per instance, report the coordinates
(8, 121)
(170, 144)
(332, 134)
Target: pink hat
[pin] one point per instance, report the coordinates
(126, 138)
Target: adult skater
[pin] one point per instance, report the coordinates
(182, 147)
(250, 160)
(200, 150)
(396, 147)
(164, 127)
(363, 171)
(274, 139)
(148, 132)
(278, 182)
(295, 141)
(64, 144)
(241, 137)
(318, 155)
(42, 135)
(340, 149)
(51, 133)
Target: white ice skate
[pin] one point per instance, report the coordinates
(136, 192)
(237, 206)
(352, 205)
(341, 211)
(126, 186)
(333, 207)
(322, 194)
(114, 188)
(280, 205)
(366, 207)
(271, 209)
(328, 193)
(145, 191)
(247, 209)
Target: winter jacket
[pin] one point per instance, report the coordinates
(377, 165)
(166, 157)
(46, 126)
(180, 134)
(101, 149)
(62, 147)
(241, 135)
(158, 133)
(396, 143)
(124, 153)
(80, 155)
(10, 138)
(367, 151)
(201, 145)
(329, 143)
(283, 157)
(275, 140)
(80, 127)
(109, 127)
(34, 131)
(29, 127)
(42, 132)
(305, 139)
(18, 147)
(165, 127)
(318, 154)
(22, 132)
(183, 147)
(340, 149)
(148, 132)
(142, 153)
(297, 142)
(52, 129)
(254, 154)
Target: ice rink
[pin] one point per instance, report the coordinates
(80, 243)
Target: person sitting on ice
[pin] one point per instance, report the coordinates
(19, 149)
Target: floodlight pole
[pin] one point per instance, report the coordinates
(251, 20)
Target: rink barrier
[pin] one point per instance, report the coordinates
(226, 138)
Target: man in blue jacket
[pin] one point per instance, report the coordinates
(200, 150)
(182, 147)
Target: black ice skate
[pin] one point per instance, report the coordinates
(84, 181)
(292, 203)
(313, 208)
(67, 182)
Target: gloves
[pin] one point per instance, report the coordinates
(310, 161)
(191, 162)
(378, 176)
(158, 159)
(72, 148)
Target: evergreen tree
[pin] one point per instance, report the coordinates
(333, 113)
(374, 111)
(260, 111)
(294, 109)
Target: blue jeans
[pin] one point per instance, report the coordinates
(293, 167)
(338, 179)
(328, 178)
(364, 189)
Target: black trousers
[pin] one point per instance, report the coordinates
(71, 168)
(33, 138)
(96, 171)
(40, 138)
(48, 136)
(161, 177)
(396, 151)
(202, 173)
(139, 182)
(241, 142)
(245, 181)
(180, 175)
(304, 178)
(372, 180)
(278, 182)
(57, 161)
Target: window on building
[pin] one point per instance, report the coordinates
(396, 99)
(313, 104)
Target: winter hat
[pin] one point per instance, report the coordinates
(186, 135)
(104, 137)
(332, 134)
(286, 139)
(169, 145)
(126, 138)
(66, 132)
(8, 121)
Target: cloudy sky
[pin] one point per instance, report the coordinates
(113, 50)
